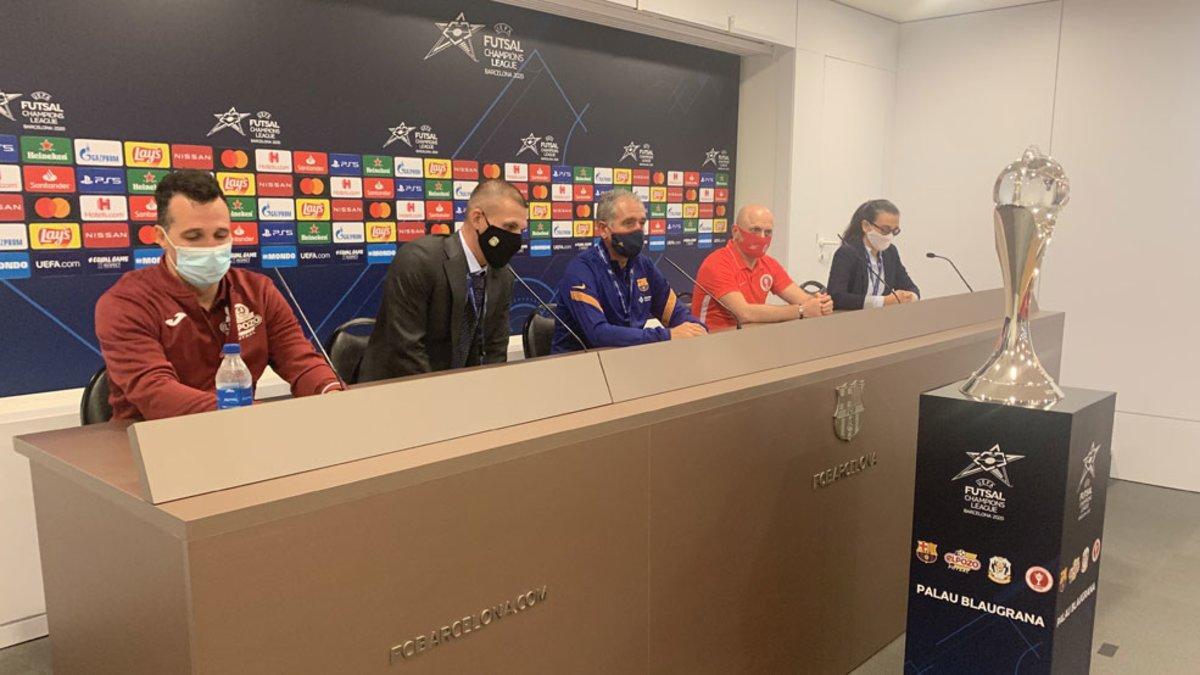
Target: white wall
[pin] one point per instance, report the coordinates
(1115, 101)
(1127, 129)
(972, 92)
(841, 138)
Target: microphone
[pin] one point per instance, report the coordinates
(931, 254)
(706, 291)
(882, 282)
(547, 307)
(320, 347)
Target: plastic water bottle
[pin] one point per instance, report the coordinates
(235, 386)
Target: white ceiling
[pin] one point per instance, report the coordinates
(915, 10)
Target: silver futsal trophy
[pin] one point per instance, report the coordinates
(1028, 196)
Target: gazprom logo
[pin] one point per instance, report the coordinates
(276, 209)
(97, 153)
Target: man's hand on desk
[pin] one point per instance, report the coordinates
(687, 330)
(817, 305)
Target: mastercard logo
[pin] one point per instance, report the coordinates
(380, 210)
(235, 159)
(583, 211)
(312, 186)
(146, 234)
(720, 209)
(52, 207)
(691, 195)
(540, 192)
(440, 228)
(659, 178)
(491, 171)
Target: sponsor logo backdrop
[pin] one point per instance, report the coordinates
(339, 131)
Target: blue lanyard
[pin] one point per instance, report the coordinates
(616, 286)
(476, 305)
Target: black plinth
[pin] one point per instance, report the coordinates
(1007, 525)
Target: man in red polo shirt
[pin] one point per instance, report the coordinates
(161, 328)
(741, 274)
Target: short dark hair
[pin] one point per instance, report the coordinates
(868, 212)
(198, 186)
(495, 187)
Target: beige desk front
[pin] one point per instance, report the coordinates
(679, 530)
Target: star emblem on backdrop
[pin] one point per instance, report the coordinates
(994, 461)
(456, 33)
(400, 132)
(529, 143)
(228, 120)
(5, 99)
(710, 156)
(631, 150)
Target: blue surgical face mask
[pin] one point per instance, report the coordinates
(201, 266)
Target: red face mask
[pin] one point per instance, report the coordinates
(753, 246)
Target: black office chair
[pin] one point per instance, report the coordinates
(537, 334)
(94, 407)
(347, 345)
(812, 286)
(684, 299)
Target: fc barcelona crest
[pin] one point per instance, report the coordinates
(927, 552)
(847, 417)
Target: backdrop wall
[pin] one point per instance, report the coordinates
(345, 130)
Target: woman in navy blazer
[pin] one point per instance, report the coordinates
(867, 244)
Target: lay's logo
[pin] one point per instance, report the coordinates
(312, 209)
(54, 236)
(236, 184)
(152, 155)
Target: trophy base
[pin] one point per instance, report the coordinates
(1014, 377)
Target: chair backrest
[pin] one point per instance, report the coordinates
(812, 286)
(94, 407)
(685, 299)
(347, 345)
(537, 334)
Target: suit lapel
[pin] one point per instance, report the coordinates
(455, 268)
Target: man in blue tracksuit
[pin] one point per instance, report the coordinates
(609, 291)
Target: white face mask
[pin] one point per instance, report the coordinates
(201, 266)
(880, 242)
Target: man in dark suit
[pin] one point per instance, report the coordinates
(446, 299)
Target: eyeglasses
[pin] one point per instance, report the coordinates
(888, 231)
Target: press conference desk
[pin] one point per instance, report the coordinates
(679, 507)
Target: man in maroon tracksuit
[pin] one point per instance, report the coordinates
(161, 329)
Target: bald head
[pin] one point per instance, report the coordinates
(490, 192)
(754, 215)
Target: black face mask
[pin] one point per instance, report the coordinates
(499, 245)
(628, 244)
